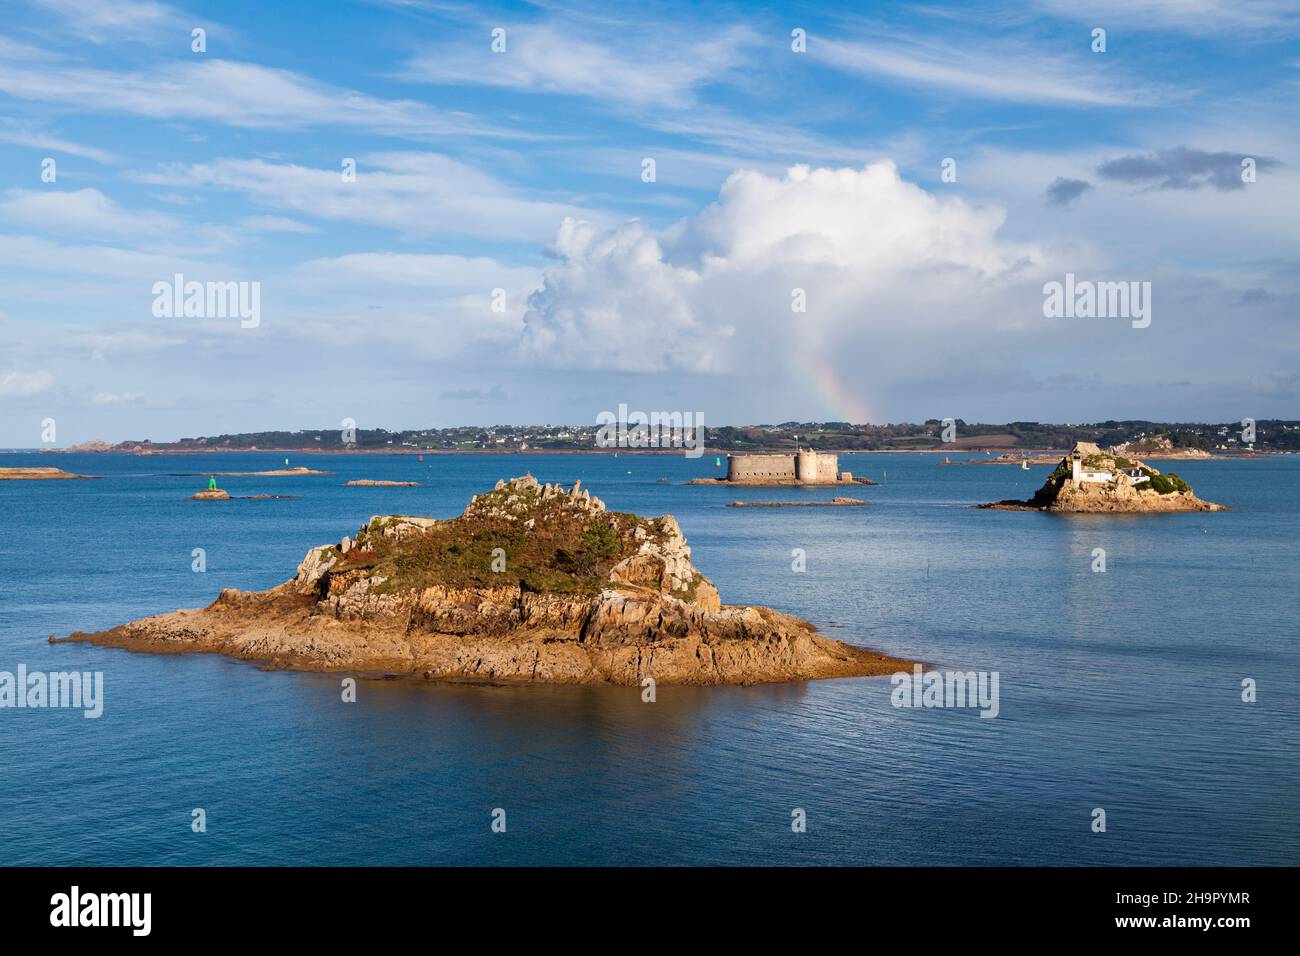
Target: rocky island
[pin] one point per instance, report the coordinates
(1091, 481)
(37, 474)
(531, 583)
(273, 473)
(836, 502)
(211, 494)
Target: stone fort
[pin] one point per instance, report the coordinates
(804, 467)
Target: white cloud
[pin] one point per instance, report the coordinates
(34, 254)
(118, 398)
(274, 224)
(102, 344)
(431, 306)
(99, 22)
(1197, 17)
(79, 211)
(380, 271)
(649, 68)
(417, 193)
(237, 94)
(875, 256)
(17, 384)
(18, 134)
(660, 78)
(11, 49)
(1009, 72)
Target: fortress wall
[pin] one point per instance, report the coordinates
(755, 467)
(807, 466)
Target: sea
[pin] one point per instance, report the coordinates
(1147, 712)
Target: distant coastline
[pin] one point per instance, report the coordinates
(163, 452)
(1246, 438)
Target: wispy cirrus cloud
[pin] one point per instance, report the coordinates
(629, 65)
(415, 193)
(275, 224)
(35, 137)
(101, 22)
(1196, 17)
(1013, 72)
(236, 94)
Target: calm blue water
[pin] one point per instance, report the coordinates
(1118, 690)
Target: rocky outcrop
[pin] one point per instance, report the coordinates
(37, 474)
(211, 494)
(95, 445)
(1158, 448)
(273, 473)
(532, 583)
(373, 483)
(836, 502)
(1092, 481)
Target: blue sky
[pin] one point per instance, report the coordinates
(522, 170)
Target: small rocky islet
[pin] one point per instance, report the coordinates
(1091, 481)
(38, 474)
(532, 583)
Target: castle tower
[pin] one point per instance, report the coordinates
(805, 466)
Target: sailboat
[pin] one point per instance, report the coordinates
(1024, 465)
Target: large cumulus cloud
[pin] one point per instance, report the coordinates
(879, 261)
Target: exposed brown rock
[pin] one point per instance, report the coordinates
(836, 502)
(95, 444)
(622, 602)
(273, 473)
(37, 474)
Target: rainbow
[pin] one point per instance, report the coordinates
(840, 404)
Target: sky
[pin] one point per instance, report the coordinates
(525, 213)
